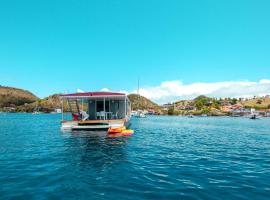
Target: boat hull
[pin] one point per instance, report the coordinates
(94, 124)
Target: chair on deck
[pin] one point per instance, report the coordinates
(115, 116)
(101, 115)
(75, 117)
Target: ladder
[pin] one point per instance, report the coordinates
(74, 106)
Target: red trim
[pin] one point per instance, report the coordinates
(93, 94)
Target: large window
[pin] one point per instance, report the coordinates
(100, 106)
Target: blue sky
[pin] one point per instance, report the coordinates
(56, 46)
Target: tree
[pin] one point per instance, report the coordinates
(199, 104)
(216, 105)
(206, 111)
(234, 101)
(171, 111)
(259, 101)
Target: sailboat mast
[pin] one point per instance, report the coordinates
(139, 98)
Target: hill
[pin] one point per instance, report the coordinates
(12, 97)
(47, 104)
(52, 102)
(257, 103)
(142, 103)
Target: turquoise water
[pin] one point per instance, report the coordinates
(167, 158)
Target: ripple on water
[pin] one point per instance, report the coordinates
(167, 158)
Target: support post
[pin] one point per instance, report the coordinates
(125, 106)
(104, 106)
(82, 104)
(62, 109)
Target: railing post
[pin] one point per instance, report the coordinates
(104, 106)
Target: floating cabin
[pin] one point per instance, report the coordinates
(96, 110)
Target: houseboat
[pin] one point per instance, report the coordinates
(96, 111)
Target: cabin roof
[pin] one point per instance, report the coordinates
(95, 94)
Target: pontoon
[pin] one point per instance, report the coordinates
(96, 110)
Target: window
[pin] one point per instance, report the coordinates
(100, 106)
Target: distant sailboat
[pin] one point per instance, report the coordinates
(36, 110)
(140, 113)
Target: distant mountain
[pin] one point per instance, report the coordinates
(12, 97)
(142, 103)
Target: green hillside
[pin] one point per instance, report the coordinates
(47, 104)
(258, 103)
(12, 97)
(142, 103)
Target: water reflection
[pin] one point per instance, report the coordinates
(95, 150)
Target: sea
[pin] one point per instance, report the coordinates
(166, 158)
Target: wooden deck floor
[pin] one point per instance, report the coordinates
(100, 121)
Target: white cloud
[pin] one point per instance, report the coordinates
(264, 81)
(80, 91)
(108, 90)
(175, 90)
(105, 90)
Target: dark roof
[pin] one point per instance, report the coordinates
(93, 94)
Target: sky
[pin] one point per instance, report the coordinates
(176, 48)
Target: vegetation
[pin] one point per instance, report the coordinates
(142, 103)
(18, 100)
(171, 111)
(12, 97)
(46, 105)
(257, 103)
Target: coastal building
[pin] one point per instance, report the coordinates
(166, 107)
(232, 108)
(264, 112)
(9, 109)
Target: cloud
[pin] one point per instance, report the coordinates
(108, 90)
(105, 90)
(80, 91)
(169, 91)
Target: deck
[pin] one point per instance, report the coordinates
(100, 121)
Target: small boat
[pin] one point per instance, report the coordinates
(36, 110)
(134, 113)
(254, 116)
(190, 116)
(142, 115)
(138, 114)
